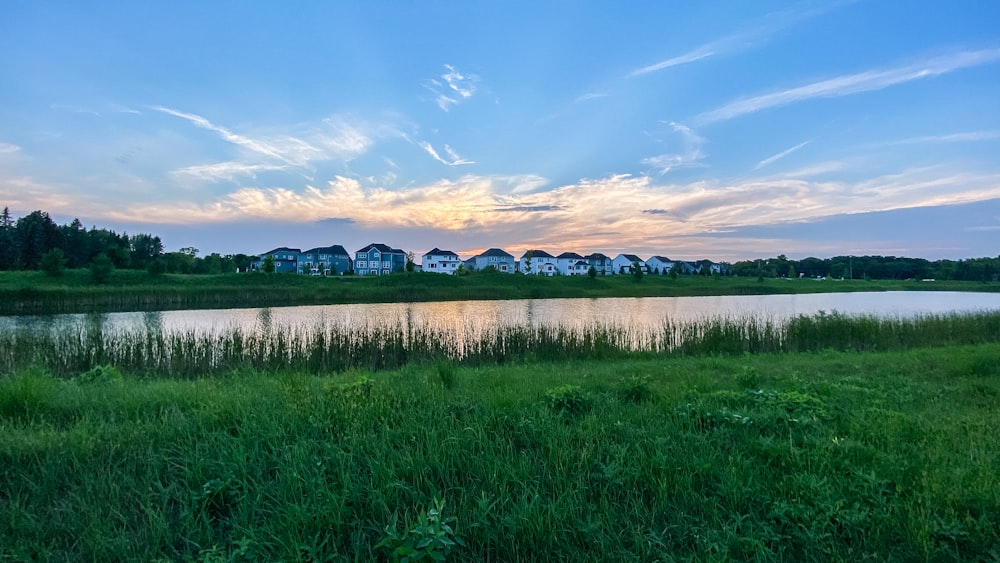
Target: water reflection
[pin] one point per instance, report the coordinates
(472, 317)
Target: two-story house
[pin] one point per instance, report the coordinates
(285, 260)
(572, 264)
(601, 263)
(622, 264)
(379, 259)
(496, 257)
(440, 261)
(659, 265)
(325, 261)
(539, 262)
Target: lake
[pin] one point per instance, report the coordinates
(464, 317)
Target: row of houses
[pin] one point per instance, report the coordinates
(378, 259)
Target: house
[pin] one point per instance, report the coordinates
(688, 268)
(571, 264)
(496, 257)
(440, 261)
(325, 261)
(378, 259)
(600, 262)
(539, 262)
(285, 260)
(659, 265)
(622, 264)
(714, 268)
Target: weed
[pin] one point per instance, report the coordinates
(430, 538)
(567, 399)
(446, 374)
(636, 389)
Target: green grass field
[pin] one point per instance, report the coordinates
(34, 292)
(826, 456)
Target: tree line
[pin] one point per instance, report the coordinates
(36, 242)
(872, 267)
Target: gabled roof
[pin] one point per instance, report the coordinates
(537, 254)
(596, 256)
(497, 252)
(582, 263)
(570, 255)
(335, 249)
(631, 257)
(438, 252)
(383, 248)
(660, 258)
(282, 249)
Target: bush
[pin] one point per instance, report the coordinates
(53, 262)
(567, 399)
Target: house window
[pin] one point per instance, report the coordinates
(374, 272)
(361, 264)
(385, 271)
(493, 258)
(386, 264)
(432, 266)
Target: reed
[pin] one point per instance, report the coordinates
(324, 348)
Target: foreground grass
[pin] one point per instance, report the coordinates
(796, 457)
(34, 292)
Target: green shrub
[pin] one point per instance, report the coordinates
(430, 538)
(567, 399)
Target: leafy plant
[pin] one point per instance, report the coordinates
(636, 389)
(99, 374)
(431, 538)
(567, 399)
(446, 374)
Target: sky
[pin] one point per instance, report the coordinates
(722, 130)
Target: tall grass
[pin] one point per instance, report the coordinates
(827, 457)
(323, 348)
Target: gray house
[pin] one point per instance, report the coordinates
(325, 260)
(285, 260)
(499, 258)
(379, 259)
(601, 263)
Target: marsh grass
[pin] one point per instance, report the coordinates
(827, 456)
(325, 348)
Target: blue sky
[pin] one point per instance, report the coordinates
(725, 130)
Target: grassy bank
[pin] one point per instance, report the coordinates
(797, 457)
(33, 292)
(321, 348)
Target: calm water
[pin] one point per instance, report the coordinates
(474, 316)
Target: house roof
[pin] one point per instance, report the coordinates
(537, 254)
(438, 252)
(334, 249)
(660, 258)
(570, 255)
(631, 257)
(596, 256)
(582, 263)
(282, 249)
(497, 252)
(384, 248)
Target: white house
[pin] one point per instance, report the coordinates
(499, 258)
(622, 264)
(539, 262)
(440, 261)
(659, 265)
(601, 263)
(572, 264)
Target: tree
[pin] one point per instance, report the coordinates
(592, 272)
(673, 272)
(101, 268)
(157, 267)
(53, 262)
(527, 262)
(34, 235)
(410, 264)
(636, 271)
(8, 256)
(268, 265)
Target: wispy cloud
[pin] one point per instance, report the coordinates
(7, 148)
(779, 156)
(970, 136)
(689, 155)
(853, 84)
(453, 158)
(226, 170)
(452, 87)
(755, 33)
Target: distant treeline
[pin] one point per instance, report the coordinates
(872, 267)
(35, 242)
